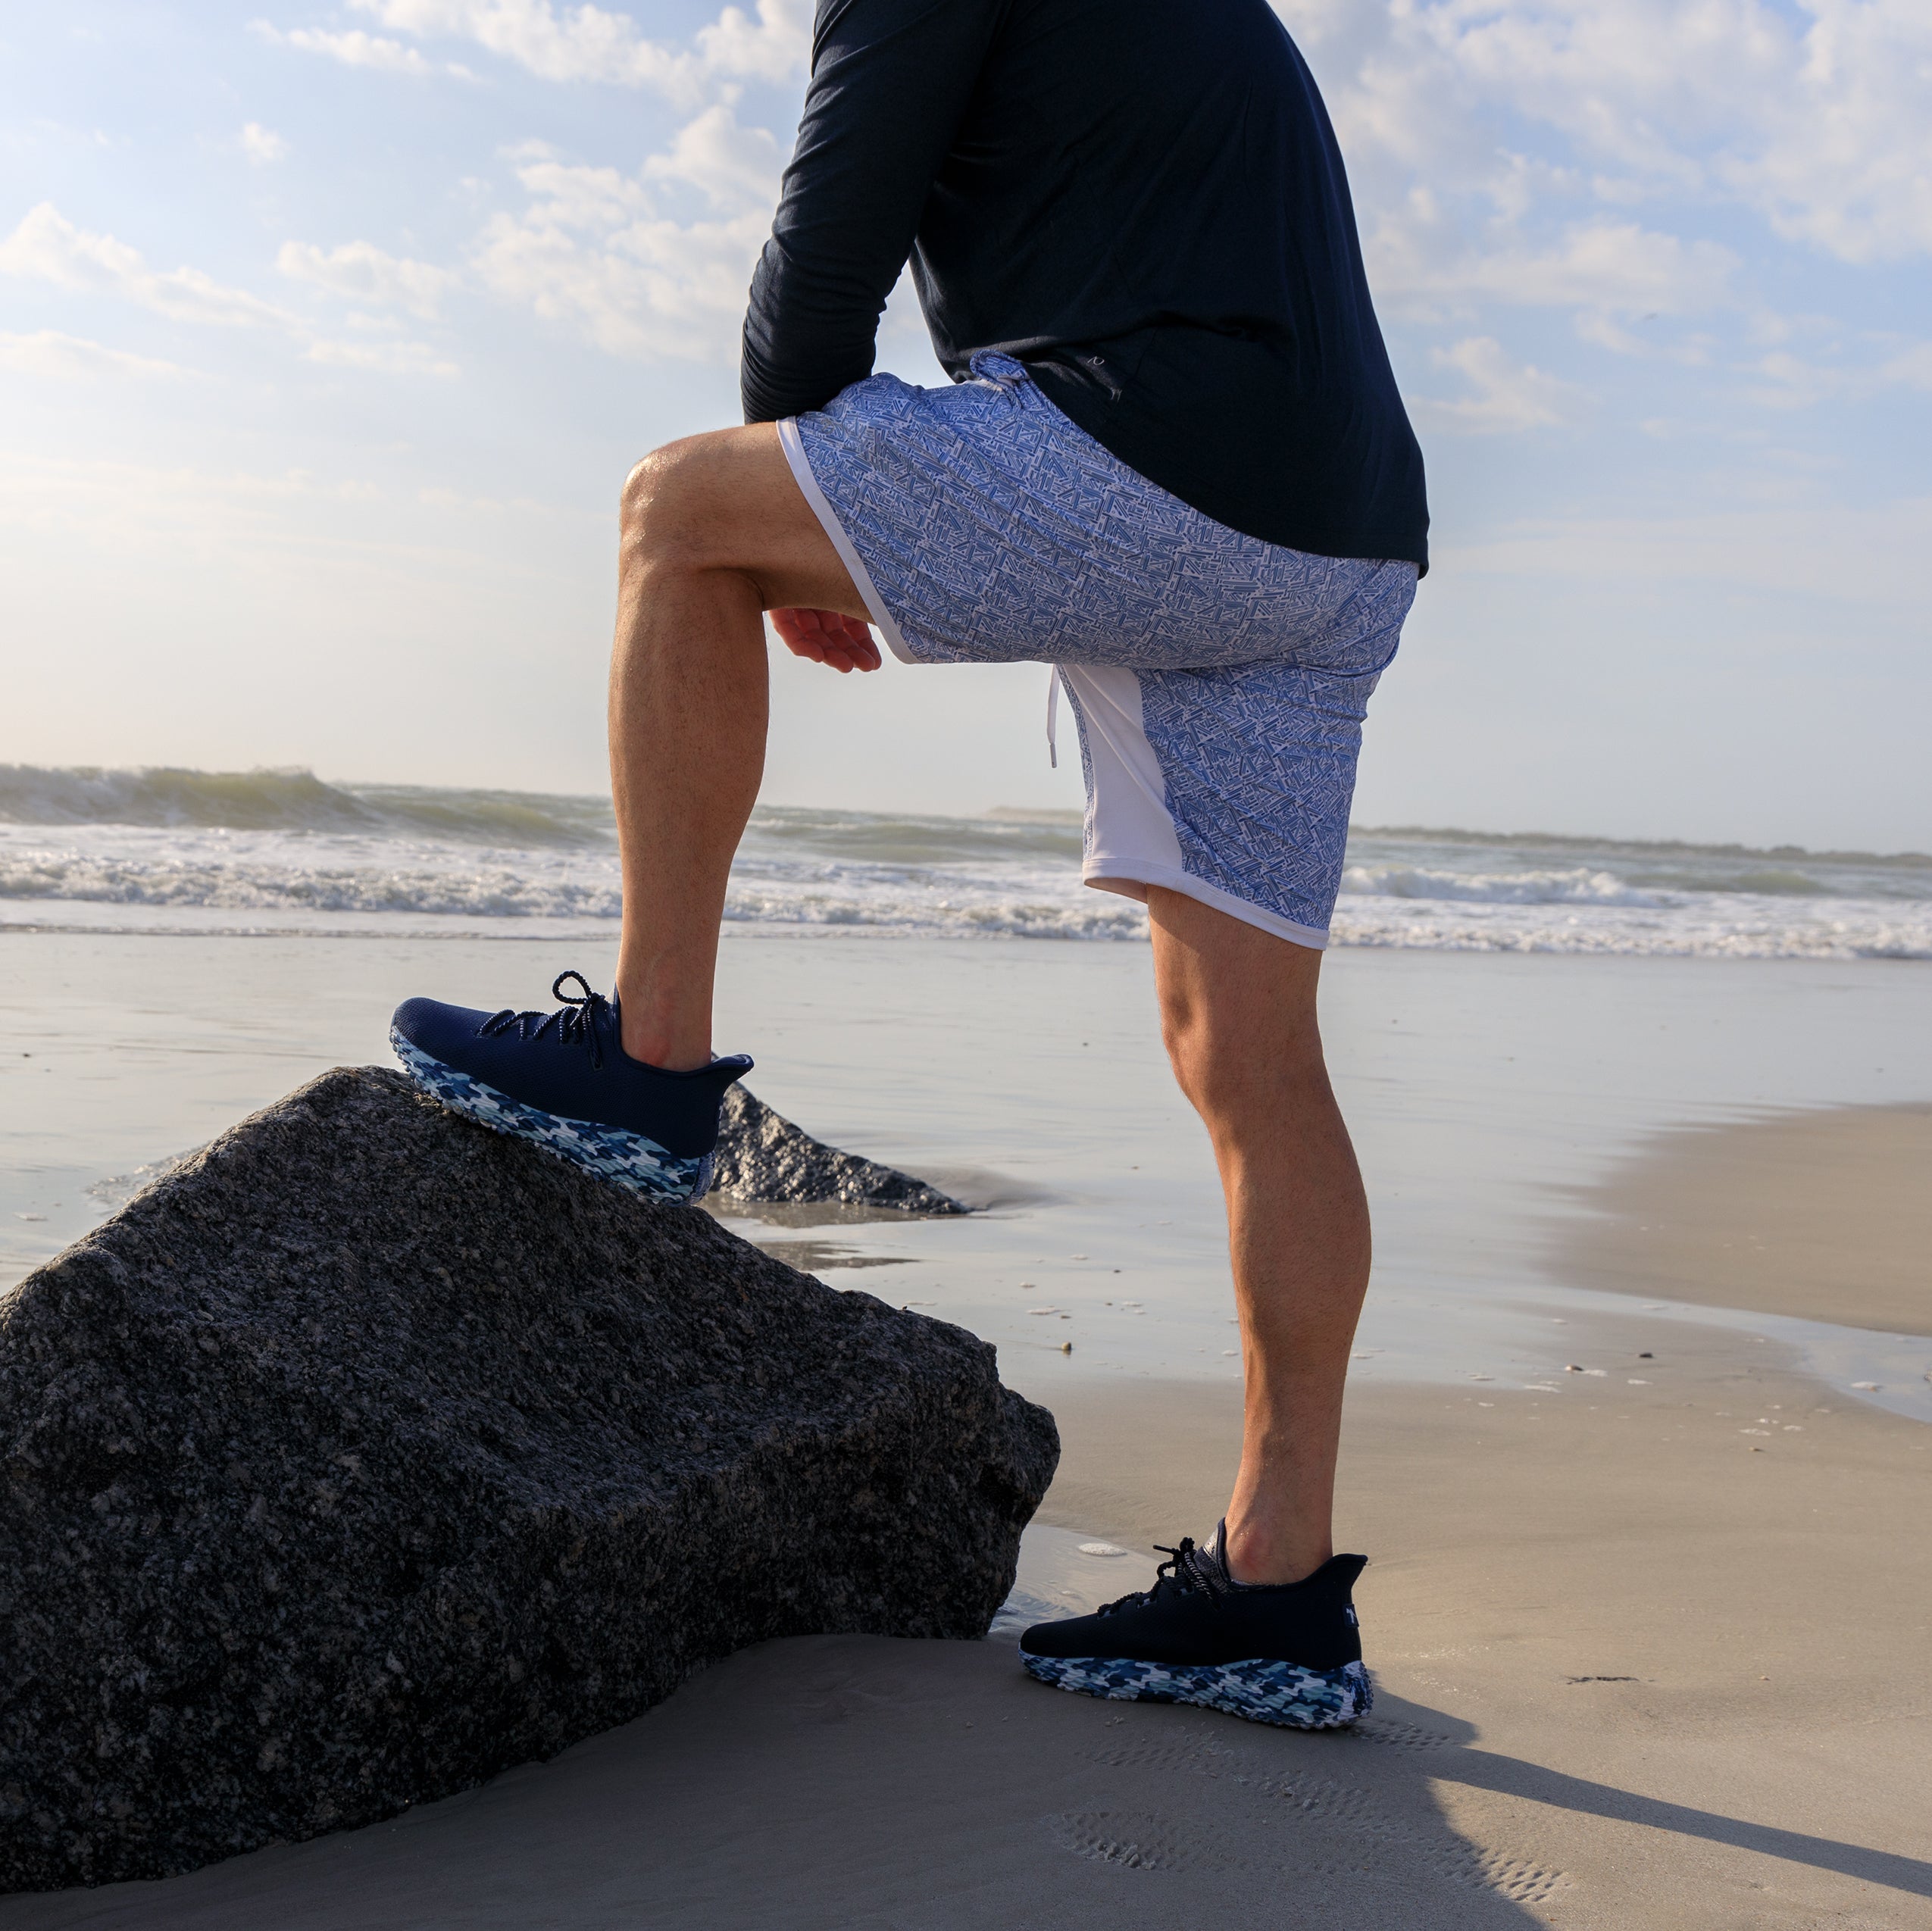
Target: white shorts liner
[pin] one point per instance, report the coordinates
(1130, 840)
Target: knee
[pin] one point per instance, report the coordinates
(1201, 1062)
(658, 517)
(1204, 1068)
(1227, 1074)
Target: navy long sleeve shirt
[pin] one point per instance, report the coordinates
(1144, 201)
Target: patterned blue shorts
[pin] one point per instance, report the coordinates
(1219, 682)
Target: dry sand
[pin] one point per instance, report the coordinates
(1825, 1213)
(1653, 1650)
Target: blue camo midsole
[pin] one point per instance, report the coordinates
(1264, 1693)
(612, 1153)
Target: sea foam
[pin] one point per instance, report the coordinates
(285, 850)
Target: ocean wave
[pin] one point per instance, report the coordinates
(1577, 887)
(269, 875)
(1644, 850)
(1829, 931)
(296, 801)
(284, 851)
(483, 892)
(242, 894)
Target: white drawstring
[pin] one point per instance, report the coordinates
(1052, 714)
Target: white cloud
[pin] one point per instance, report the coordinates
(1610, 267)
(588, 42)
(1783, 380)
(775, 47)
(353, 48)
(1913, 367)
(1845, 165)
(359, 271)
(595, 249)
(263, 145)
(578, 197)
(48, 353)
(386, 358)
(1510, 396)
(1811, 116)
(48, 247)
(731, 166)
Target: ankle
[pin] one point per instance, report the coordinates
(1260, 1552)
(654, 1033)
(663, 1050)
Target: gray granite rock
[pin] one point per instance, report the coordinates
(367, 1454)
(762, 1156)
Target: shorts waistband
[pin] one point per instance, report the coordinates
(994, 365)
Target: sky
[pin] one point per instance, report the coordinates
(328, 333)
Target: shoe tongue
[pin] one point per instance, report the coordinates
(1210, 1561)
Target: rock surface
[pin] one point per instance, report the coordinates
(367, 1454)
(762, 1156)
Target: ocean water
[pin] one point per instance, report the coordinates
(286, 852)
(1486, 1093)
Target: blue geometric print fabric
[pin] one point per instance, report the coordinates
(629, 1160)
(1259, 771)
(1281, 1693)
(983, 527)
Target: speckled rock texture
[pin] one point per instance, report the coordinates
(368, 1453)
(762, 1156)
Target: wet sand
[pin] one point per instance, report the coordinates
(1826, 1214)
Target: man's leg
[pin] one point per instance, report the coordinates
(715, 532)
(1238, 1015)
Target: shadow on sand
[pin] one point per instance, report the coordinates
(858, 1781)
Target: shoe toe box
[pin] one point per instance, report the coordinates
(434, 1028)
(1073, 1636)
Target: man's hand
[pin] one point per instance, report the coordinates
(827, 637)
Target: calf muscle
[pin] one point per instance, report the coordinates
(1238, 1015)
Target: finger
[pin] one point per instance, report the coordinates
(798, 623)
(853, 634)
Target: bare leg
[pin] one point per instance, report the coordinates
(714, 532)
(1238, 1015)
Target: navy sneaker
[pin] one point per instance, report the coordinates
(563, 1080)
(1289, 1653)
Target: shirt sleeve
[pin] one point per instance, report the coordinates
(890, 81)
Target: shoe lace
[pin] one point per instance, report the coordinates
(578, 1020)
(1186, 1572)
